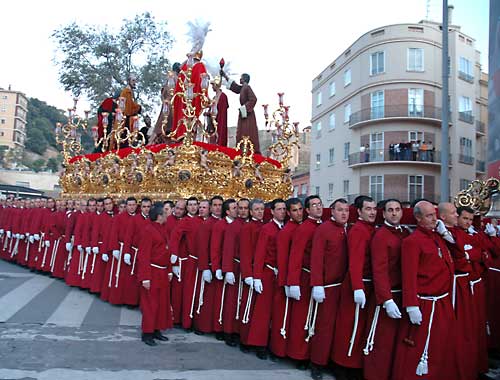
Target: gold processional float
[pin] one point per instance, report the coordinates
(185, 168)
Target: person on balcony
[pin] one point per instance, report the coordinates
(423, 152)
(415, 146)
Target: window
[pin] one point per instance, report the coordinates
(377, 104)
(415, 59)
(346, 188)
(319, 99)
(416, 102)
(318, 161)
(330, 191)
(377, 187)
(331, 121)
(295, 191)
(331, 156)
(465, 70)
(415, 136)
(332, 89)
(3, 109)
(347, 148)
(318, 129)
(347, 113)
(465, 109)
(376, 148)
(2, 133)
(4, 97)
(317, 190)
(465, 156)
(377, 63)
(415, 187)
(347, 77)
(2, 121)
(303, 189)
(464, 183)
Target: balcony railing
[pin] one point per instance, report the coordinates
(466, 116)
(466, 77)
(393, 111)
(481, 166)
(480, 127)
(387, 155)
(465, 159)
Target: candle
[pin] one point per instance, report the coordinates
(105, 118)
(135, 123)
(86, 114)
(280, 97)
(296, 126)
(170, 80)
(58, 128)
(95, 132)
(121, 102)
(266, 114)
(166, 108)
(204, 81)
(189, 91)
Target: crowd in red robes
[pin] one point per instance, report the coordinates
(373, 298)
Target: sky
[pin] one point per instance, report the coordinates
(283, 45)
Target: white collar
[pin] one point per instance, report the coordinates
(229, 220)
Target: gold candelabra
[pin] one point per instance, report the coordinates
(286, 133)
(68, 134)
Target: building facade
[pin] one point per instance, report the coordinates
(377, 112)
(13, 113)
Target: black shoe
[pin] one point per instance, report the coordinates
(148, 339)
(302, 364)
(189, 330)
(316, 372)
(230, 341)
(197, 332)
(219, 335)
(244, 348)
(262, 353)
(274, 358)
(159, 336)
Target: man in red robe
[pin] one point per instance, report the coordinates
(76, 258)
(299, 281)
(328, 269)
(59, 252)
(385, 314)
(356, 290)
(427, 271)
(281, 302)
(153, 270)
(48, 230)
(90, 223)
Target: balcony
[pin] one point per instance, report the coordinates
(402, 111)
(465, 159)
(466, 117)
(466, 77)
(480, 166)
(480, 128)
(387, 156)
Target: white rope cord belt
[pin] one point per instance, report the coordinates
(454, 288)
(54, 254)
(274, 269)
(136, 250)
(118, 266)
(494, 269)
(157, 266)
(94, 259)
(222, 302)
(423, 364)
(6, 242)
(27, 251)
(311, 316)
(283, 326)
(356, 322)
(194, 293)
(181, 259)
(200, 299)
(472, 283)
(14, 250)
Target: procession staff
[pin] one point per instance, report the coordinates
(328, 269)
(203, 317)
(299, 281)
(76, 256)
(152, 273)
(282, 305)
(425, 337)
(265, 275)
(356, 290)
(385, 314)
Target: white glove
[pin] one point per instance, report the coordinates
(249, 281)
(218, 274)
(360, 298)
(36, 236)
(126, 259)
(230, 278)
(31, 239)
(47, 243)
(69, 247)
(1, 231)
(287, 291)
(415, 314)
(471, 230)
(176, 271)
(21, 236)
(392, 309)
(207, 276)
(295, 292)
(498, 228)
(80, 248)
(88, 250)
(490, 229)
(9, 234)
(105, 257)
(27, 234)
(257, 285)
(318, 293)
(17, 236)
(440, 227)
(95, 250)
(173, 259)
(116, 254)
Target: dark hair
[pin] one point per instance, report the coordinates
(105, 198)
(122, 202)
(360, 200)
(244, 200)
(391, 200)
(225, 205)
(338, 200)
(146, 199)
(309, 199)
(91, 200)
(192, 199)
(246, 77)
(169, 203)
(156, 211)
(273, 203)
(292, 201)
(216, 197)
(131, 199)
(100, 200)
(461, 209)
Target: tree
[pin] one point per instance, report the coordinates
(52, 164)
(3, 152)
(97, 62)
(37, 165)
(36, 141)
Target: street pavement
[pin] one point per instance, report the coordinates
(49, 330)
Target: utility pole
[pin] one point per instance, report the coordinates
(445, 146)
